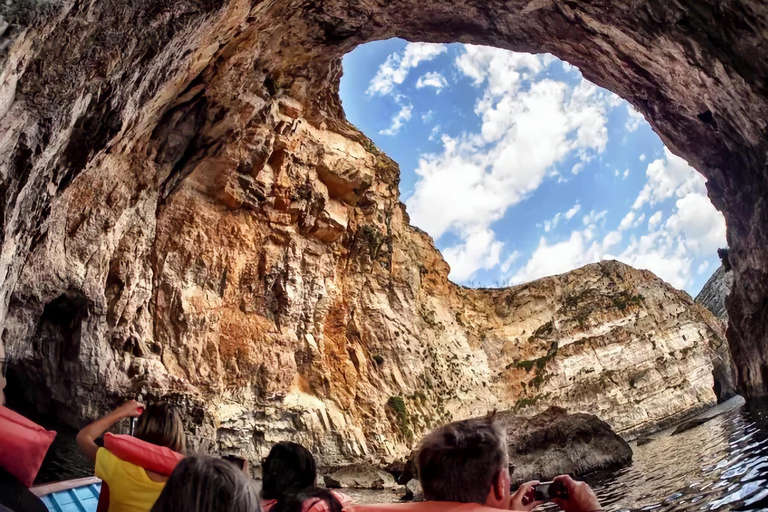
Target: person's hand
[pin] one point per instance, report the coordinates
(523, 499)
(130, 409)
(581, 497)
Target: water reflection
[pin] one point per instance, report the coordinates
(720, 465)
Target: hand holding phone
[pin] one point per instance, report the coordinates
(547, 491)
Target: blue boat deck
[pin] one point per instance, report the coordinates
(83, 498)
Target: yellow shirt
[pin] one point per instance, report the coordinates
(130, 489)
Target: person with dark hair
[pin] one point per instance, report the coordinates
(289, 483)
(133, 488)
(207, 484)
(467, 462)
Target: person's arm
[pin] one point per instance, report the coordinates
(86, 438)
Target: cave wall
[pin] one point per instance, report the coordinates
(180, 175)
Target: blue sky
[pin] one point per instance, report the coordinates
(519, 168)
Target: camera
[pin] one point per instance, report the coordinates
(547, 490)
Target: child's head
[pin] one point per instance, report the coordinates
(207, 484)
(289, 466)
(161, 424)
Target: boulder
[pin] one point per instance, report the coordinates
(360, 476)
(413, 491)
(555, 442)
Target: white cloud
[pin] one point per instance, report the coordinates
(615, 172)
(573, 211)
(399, 119)
(702, 226)
(552, 224)
(627, 221)
(397, 66)
(626, 174)
(509, 261)
(642, 157)
(654, 221)
(432, 79)
(667, 177)
(479, 249)
(528, 127)
(593, 217)
(634, 120)
(435, 132)
(702, 267)
(577, 168)
(427, 117)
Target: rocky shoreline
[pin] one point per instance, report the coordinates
(540, 447)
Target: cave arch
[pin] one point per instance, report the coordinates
(198, 97)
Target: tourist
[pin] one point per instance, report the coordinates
(467, 462)
(14, 496)
(207, 484)
(289, 483)
(132, 488)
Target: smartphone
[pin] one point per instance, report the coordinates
(547, 490)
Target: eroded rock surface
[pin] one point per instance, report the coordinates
(712, 296)
(557, 443)
(186, 212)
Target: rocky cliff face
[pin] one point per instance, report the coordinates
(712, 296)
(186, 211)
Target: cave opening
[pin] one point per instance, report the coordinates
(521, 168)
(712, 118)
(47, 377)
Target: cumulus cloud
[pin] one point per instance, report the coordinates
(669, 176)
(655, 220)
(694, 229)
(642, 157)
(399, 120)
(578, 250)
(701, 225)
(573, 211)
(395, 69)
(702, 267)
(480, 249)
(627, 221)
(527, 127)
(432, 79)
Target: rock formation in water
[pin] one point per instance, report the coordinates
(712, 296)
(557, 443)
(186, 211)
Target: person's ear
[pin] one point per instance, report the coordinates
(501, 485)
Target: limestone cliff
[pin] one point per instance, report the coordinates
(186, 212)
(716, 289)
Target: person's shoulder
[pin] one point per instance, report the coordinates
(106, 462)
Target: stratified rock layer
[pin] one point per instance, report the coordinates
(186, 211)
(712, 296)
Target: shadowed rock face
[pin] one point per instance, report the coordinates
(556, 443)
(186, 211)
